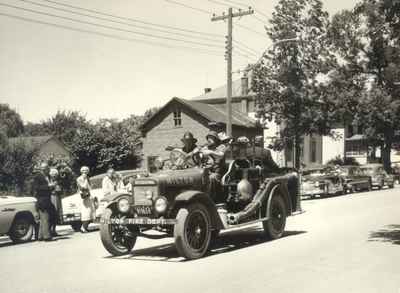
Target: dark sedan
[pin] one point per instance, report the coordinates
(379, 176)
(354, 179)
(320, 181)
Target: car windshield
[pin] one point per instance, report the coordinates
(369, 171)
(96, 182)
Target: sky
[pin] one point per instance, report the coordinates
(44, 68)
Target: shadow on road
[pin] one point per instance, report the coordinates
(5, 241)
(226, 242)
(390, 233)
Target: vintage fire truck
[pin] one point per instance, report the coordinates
(176, 201)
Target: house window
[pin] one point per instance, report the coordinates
(177, 118)
(313, 150)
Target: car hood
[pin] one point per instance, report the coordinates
(6, 200)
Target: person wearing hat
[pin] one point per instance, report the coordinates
(42, 189)
(215, 151)
(189, 142)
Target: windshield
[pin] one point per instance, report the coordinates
(369, 171)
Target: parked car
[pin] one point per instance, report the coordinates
(175, 201)
(379, 177)
(321, 181)
(18, 217)
(71, 205)
(354, 179)
(396, 172)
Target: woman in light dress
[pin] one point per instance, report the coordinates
(88, 209)
(55, 200)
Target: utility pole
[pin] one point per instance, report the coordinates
(228, 57)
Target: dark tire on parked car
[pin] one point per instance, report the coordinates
(275, 226)
(381, 185)
(369, 187)
(391, 185)
(76, 226)
(115, 237)
(192, 231)
(22, 229)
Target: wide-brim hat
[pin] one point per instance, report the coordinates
(188, 136)
(214, 135)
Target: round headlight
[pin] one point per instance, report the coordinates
(149, 194)
(161, 205)
(123, 205)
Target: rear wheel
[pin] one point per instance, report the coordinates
(192, 232)
(22, 229)
(275, 225)
(117, 239)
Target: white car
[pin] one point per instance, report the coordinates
(18, 217)
(72, 205)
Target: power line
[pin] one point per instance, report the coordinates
(200, 50)
(121, 22)
(238, 3)
(262, 13)
(133, 19)
(188, 6)
(250, 30)
(241, 44)
(111, 27)
(247, 52)
(223, 4)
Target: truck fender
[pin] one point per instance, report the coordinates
(279, 190)
(190, 196)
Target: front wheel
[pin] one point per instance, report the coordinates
(22, 230)
(192, 232)
(117, 239)
(275, 225)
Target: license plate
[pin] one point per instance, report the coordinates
(139, 221)
(143, 210)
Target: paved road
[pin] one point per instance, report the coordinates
(341, 244)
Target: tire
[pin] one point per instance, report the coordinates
(22, 229)
(113, 238)
(391, 186)
(76, 226)
(275, 226)
(369, 187)
(192, 232)
(381, 185)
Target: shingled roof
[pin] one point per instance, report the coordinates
(212, 113)
(32, 141)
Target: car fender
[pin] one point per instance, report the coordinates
(190, 196)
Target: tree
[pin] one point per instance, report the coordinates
(367, 41)
(18, 161)
(288, 81)
(65, 124)
(10, 121)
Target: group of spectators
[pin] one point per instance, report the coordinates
(48, 189)
(48, 192)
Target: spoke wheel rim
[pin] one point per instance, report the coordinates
(118, 235)
(196, 231)
(277, 217)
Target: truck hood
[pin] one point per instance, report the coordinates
(195, 177)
